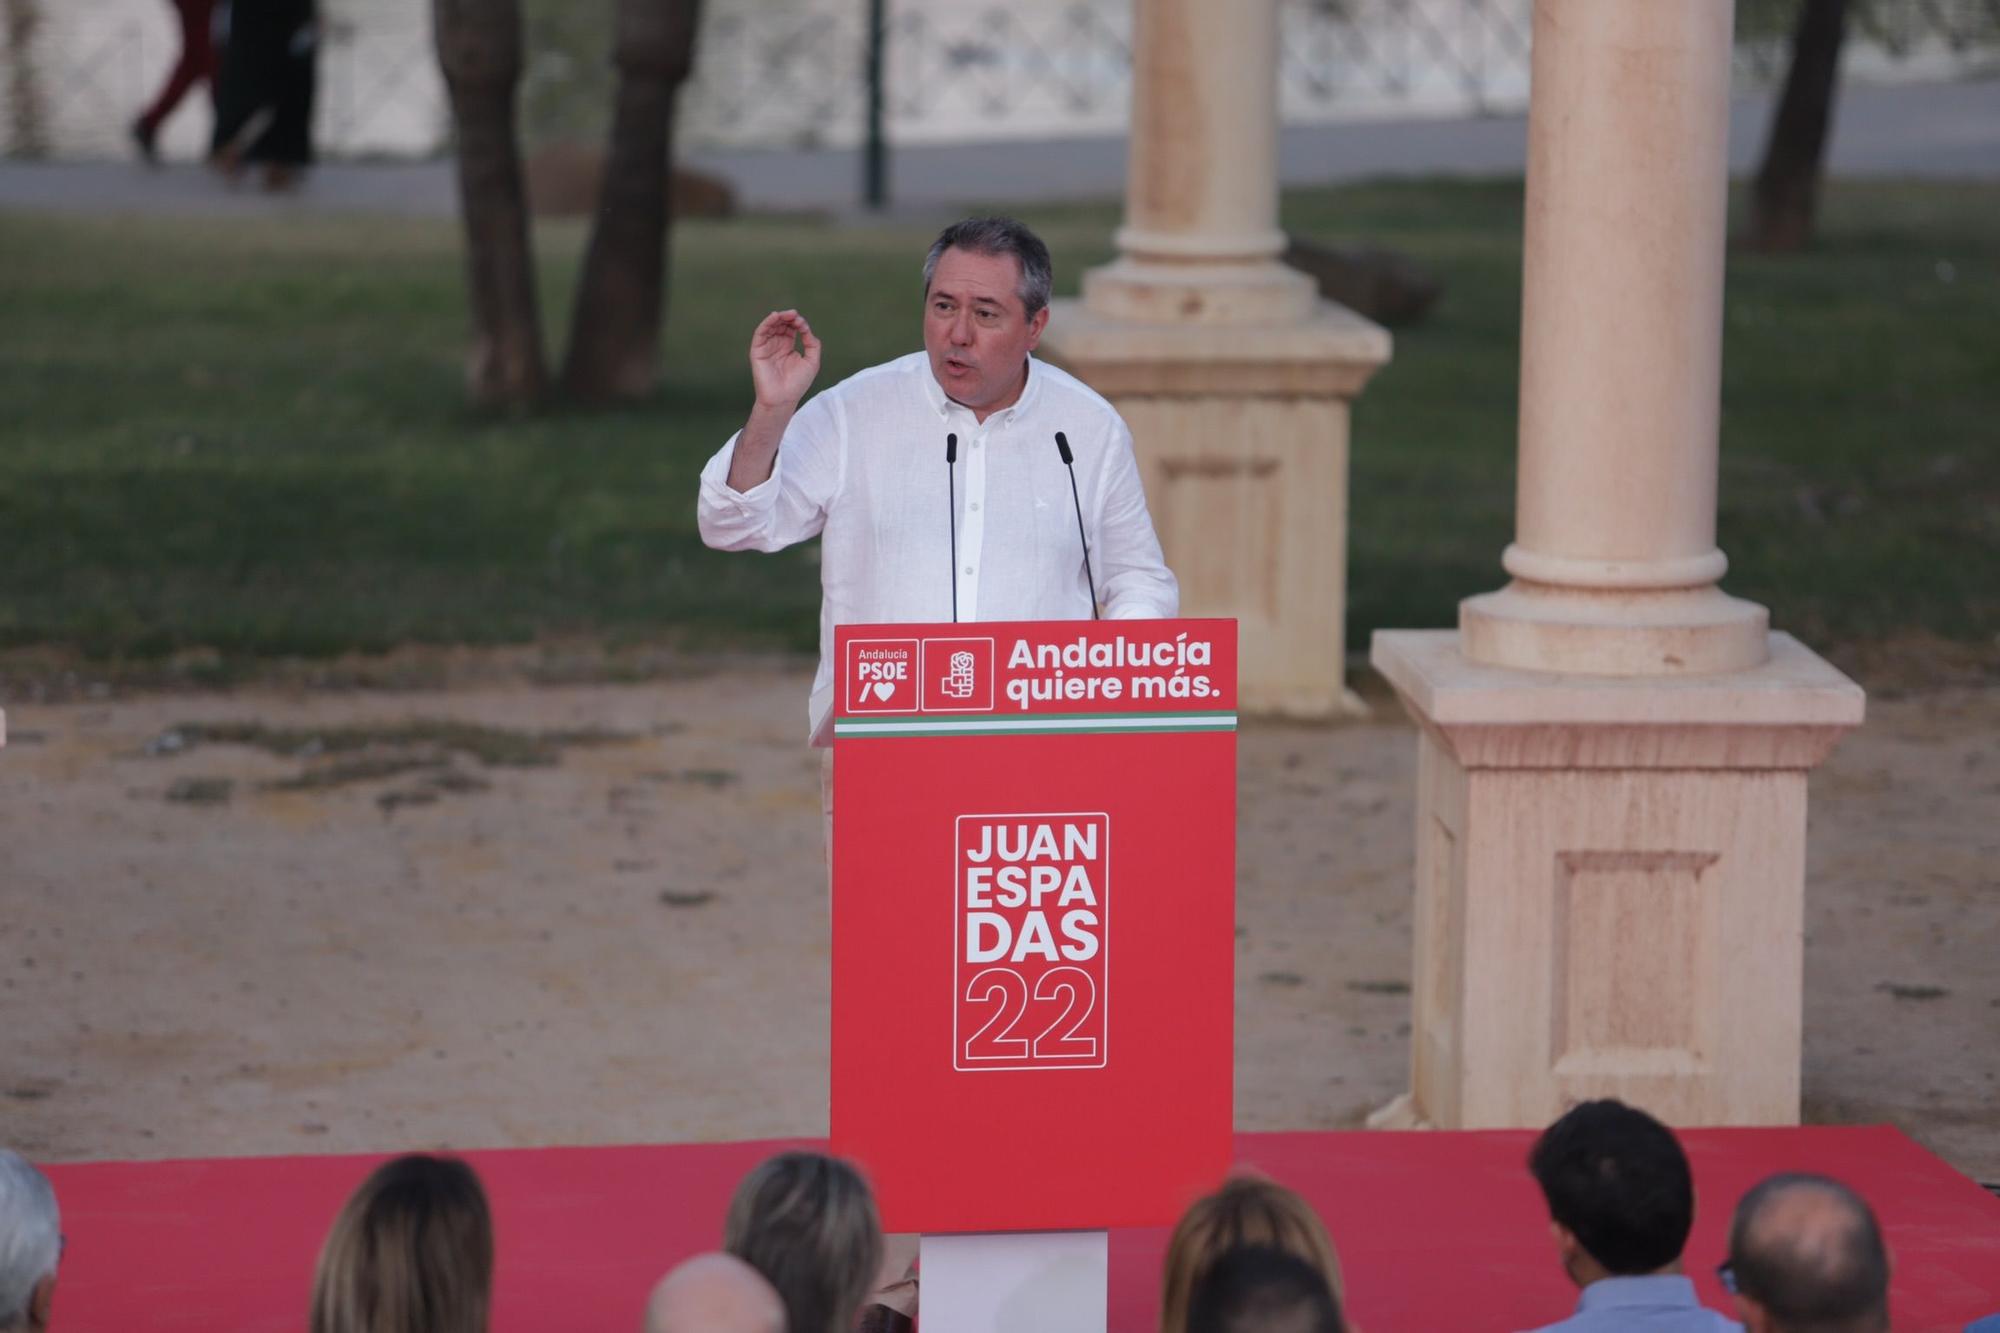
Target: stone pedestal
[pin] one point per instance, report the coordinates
(1609, 885)
(1241, 432)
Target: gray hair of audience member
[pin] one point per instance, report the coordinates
(1807, 1249)
(1263, 1289)
(715, 1293)
(807, 1222)
(30, 1236)
(1000, 236)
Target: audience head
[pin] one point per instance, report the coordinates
(1618, 1188)
(30, 1243)
(1807, 1257)
(715, 1293)
(1260, 1289)
(807, 1222)
(411, 1252)
(1246, 1211)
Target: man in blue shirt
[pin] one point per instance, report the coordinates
(1621, 1203)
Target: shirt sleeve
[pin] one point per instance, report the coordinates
(1134, 581)
(788, 506)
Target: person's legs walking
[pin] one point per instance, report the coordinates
(285, 148)
(195, 65)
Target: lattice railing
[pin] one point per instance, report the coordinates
(88, 66)
(790, 72)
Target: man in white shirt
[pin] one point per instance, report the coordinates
(863, 464)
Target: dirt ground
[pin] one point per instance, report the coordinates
(285, 919)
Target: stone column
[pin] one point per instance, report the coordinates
(1615, 562)
(1234, 376)
(1612, 768)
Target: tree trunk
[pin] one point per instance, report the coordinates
(479, 50)
(26, 103)
(614, 341)
(1787, 189)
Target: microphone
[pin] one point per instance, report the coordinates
(951, 503)
(1062, 447)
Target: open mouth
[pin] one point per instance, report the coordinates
(956, 366)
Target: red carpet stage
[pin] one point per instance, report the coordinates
(1435, 1231)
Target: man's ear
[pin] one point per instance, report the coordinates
(1035, 327)
(1566, 1243)
(40, 1301)
(1756, 1319)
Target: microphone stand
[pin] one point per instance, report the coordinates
(951, 502)
(1062, 447)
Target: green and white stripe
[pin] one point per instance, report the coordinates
(1033, 724)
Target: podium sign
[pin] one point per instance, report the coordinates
(1034, 853)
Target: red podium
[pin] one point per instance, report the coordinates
(1034, 919)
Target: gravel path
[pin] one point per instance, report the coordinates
(518, 914)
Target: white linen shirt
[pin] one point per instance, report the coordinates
(863, 464)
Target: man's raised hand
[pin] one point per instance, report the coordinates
(784, 357)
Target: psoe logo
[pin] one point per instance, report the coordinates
(958, 676)
(881, 676)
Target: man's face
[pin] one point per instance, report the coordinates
(1756, 1319)
(976, 330)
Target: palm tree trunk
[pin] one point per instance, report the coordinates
(621, 300)
(479, 50)
(1786, 194)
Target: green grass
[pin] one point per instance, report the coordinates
(249, 437)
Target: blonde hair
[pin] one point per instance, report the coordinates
(807, 1222)
(410, 1252)
(1247, 1210)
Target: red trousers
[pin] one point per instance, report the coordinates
(196, 63)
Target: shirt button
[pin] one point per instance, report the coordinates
(968, 569)
(975, 506)
(977, 443)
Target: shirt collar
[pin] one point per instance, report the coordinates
(1668, 1289)
(941, 404)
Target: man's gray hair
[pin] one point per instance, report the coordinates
(1000, 236)
(30, 1235)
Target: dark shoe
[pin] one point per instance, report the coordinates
(145, 137)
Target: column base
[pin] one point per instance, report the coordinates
(1155, 292)
(1400, 1112)
(1609, 885)
(1241, 433)
(1614, 632)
